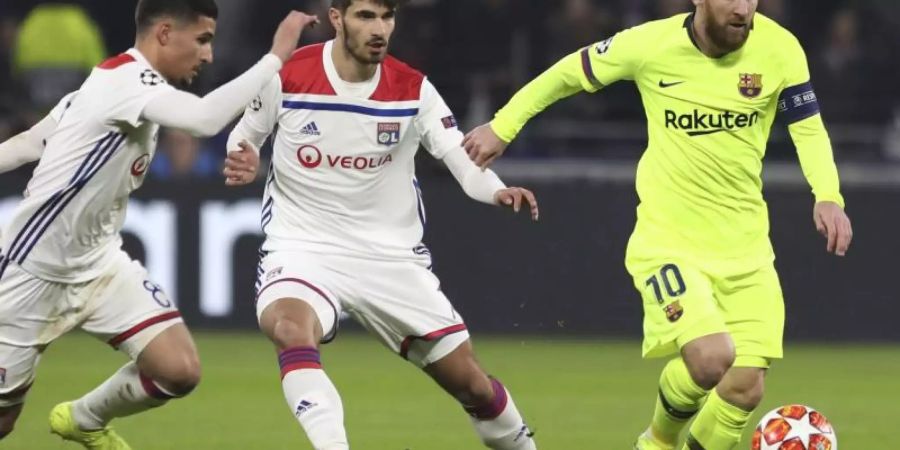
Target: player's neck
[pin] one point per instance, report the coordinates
(702, 39)
(148, 51)
(348, 67)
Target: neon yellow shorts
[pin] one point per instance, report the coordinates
(683, 303)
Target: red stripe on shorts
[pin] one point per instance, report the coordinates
(433, 336)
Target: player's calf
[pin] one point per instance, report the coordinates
(494, 414)
(727, 412)
(295, 329)
(743, 387)
(8, 417)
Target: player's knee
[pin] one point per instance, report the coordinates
(746, 394)
(476, 391)
(708, 368)
(289, 332)
(182, 378)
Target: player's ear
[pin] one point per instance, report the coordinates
(334, 15)
(698, 2)
(164, 32)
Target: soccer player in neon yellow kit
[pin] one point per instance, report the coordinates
(712, 83)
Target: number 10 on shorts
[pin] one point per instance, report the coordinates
(673, 283)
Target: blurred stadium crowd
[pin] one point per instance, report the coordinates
(477, 52)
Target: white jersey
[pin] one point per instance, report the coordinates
(342, 179)
(66, 229)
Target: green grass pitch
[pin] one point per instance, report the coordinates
(578, 394)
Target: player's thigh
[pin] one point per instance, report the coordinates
(679, 305)
(753, 308)
(295, 299)
(401, 303)
(130, 310)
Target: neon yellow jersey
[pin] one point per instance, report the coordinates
(708, 123)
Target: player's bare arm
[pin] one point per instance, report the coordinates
(832, 222)
(486, 187)
(516, 198)
(484, 146)
(241, 166)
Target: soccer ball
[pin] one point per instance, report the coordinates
(794, 427)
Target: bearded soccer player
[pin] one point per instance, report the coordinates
(344, 218)
(712, 83)
(62, 265)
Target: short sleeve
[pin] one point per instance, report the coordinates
(436, 124)
(611, 60)
(134, 88)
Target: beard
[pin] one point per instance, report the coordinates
(360, 50)
(727, 37)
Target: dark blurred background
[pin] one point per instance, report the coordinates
(477, 52)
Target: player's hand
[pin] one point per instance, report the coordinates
(513, 198)
(241, 165)
(288, 33)
(833, 223)
(484, 146)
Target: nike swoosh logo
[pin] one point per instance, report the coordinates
(664, 85)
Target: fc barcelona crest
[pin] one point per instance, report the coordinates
(674, 311)
(750, 84)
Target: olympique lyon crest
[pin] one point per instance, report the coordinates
(388, 133)
(750, 84)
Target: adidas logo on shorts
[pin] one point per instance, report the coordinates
(311, 129)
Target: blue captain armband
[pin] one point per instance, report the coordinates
(798, 102)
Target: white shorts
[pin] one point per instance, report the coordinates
(399, 301)
(123, 308)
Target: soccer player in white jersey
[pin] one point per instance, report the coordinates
(344, 219)
(62, 265)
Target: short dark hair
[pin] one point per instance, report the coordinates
(148, 11)
(342, 5)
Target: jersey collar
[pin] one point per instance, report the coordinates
(363, 89)
(138, 56)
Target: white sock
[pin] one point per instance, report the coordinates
(125, 393)
(313, 399)
(500, 425)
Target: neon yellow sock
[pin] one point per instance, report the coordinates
(718, 426)
(678, 400)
